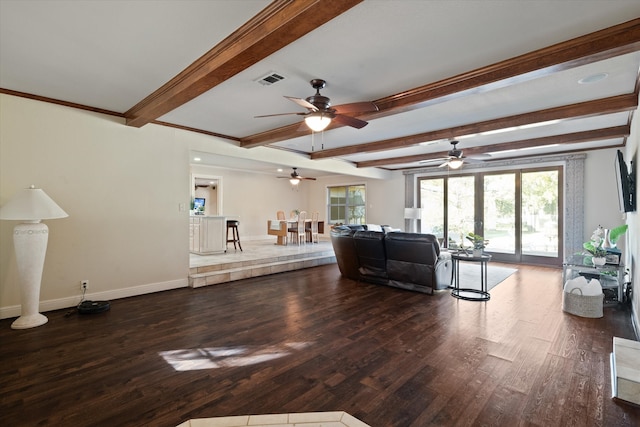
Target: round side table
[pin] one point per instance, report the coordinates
(467, 293)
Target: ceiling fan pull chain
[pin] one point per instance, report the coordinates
(312, 137)
(322, 136)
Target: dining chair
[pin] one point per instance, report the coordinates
(312, 227)
(298, 230)
(281, 216)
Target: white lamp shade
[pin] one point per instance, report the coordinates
(31, 204)
(294, 181)
(317, 121)
(455, 163)
(412, 213)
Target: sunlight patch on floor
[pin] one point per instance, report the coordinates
(226, 357)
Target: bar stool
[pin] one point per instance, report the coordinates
(233, 226)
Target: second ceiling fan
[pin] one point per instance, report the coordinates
(455, 159)
(295, 177)
(320, 113)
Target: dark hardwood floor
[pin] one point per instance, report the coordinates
(310, 340)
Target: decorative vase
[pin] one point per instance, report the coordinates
(477, 252)
(599, 260)
(605, 239)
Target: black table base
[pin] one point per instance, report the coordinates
(468, 294)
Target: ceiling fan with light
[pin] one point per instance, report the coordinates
(455, 159)
(320, 113)
(295, 177)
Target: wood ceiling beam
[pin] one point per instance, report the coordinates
(276, 26)
(607, 43)
(570, 138)
(614, 104)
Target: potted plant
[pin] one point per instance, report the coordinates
(479, 243)
(616, 233)
(594, 247)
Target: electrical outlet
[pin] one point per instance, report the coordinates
(84, 285)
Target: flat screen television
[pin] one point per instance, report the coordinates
(198, 204)
(626, 184)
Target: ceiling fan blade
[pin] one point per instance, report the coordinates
(481, 156)
(473, 160)
(350, 121)
(444, 164)
(303, 103)
(442, 159)
(281, 114)
(356, 107)
(307, 178)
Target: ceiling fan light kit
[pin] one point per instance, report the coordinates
(455, 163)
(295, 178)
(318, 121)
(320, 113)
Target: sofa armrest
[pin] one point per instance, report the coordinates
(444, 271)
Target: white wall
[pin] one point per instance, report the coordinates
(632, 153)
(384, 198)
(255, 198)
(121, 187)
(600, 190)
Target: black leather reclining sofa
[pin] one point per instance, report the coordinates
(404, 260)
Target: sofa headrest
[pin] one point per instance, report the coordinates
(357, 227)
(342, 230)
(414, 237)
(369, 235)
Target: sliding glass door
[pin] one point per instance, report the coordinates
(499, 213)
(518, 211)
(540, 212)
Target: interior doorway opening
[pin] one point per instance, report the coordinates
(206, 194)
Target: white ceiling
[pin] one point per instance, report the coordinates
(111, 55)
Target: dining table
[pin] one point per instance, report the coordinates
(279, 228)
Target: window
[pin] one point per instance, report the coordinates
(347, 204)
(518, 211)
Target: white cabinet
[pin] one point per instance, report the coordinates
(207, 234)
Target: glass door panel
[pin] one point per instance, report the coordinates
(432, 204)
(500, 212)
(460, 209)
(518, 211)
(540, 225)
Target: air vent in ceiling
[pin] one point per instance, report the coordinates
(270, 79)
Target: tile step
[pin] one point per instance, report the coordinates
(218, 266)
(625, 370)
(255, 269)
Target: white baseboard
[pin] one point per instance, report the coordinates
(57, 304)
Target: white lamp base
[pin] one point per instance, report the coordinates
(30, 243)
(29, 321)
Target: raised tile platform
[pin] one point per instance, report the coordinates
(625, 370)
(305, 419)
(259, 258)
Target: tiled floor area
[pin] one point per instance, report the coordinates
(258, 250)
(310, 419)
(258, 258)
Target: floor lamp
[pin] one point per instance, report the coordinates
(30, 205)
(412, 214)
